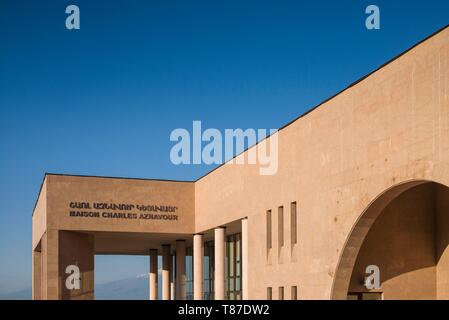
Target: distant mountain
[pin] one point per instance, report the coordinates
(24, 294)
(126, 289)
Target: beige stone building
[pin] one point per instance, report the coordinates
(363, 180)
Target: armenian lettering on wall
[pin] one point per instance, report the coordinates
(104, 210)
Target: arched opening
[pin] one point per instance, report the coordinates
(404, 232)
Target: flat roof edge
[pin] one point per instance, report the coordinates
(112, 177)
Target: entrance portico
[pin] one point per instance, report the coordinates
(88, 225)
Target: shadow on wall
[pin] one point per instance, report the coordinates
(405, 232)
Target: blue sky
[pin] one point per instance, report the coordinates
(103, 100)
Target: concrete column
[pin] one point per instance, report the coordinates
(198, 254)
(219, 281)
(245, 259)
(76, 249)
(153, 274)
(37, 276)
(180, 270)
(166, 272)
(50, 265)
(172, 283)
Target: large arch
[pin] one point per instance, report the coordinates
(344, 276)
